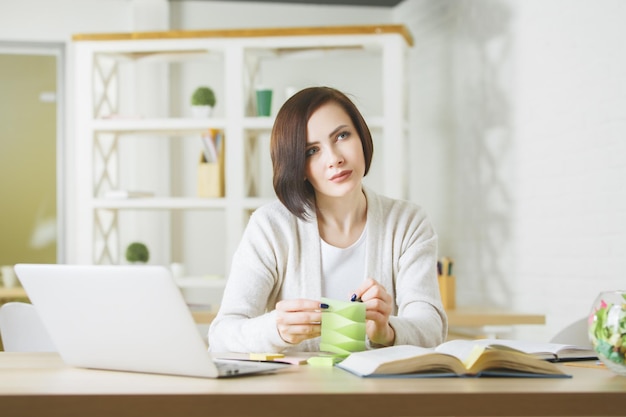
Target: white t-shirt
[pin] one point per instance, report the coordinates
(343, 269)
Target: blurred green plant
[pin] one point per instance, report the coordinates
(608, 330)
(203, 96)
(137, 252)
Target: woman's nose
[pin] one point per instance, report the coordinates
(334, 158)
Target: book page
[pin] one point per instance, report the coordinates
(463, 348)
(486, 355)
(546, 350)
(499, 358)
(402, 359)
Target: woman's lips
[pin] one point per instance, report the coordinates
(340, 176)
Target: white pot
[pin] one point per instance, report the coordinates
(201, 112)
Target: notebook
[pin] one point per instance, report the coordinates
(126, 318)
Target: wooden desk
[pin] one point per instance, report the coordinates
(12, 293)
(203, 316)
(485, 316)
(33, 384)
(486, 322)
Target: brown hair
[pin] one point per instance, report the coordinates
(288, 144)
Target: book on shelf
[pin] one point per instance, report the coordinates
(212, 142)
(449, 360)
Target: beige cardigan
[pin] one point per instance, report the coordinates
(279, 258)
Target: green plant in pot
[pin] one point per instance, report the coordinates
(137, 252)
(203, 101)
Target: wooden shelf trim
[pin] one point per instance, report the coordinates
(251, 33)
(472, 317)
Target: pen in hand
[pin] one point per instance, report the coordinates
(354, 298)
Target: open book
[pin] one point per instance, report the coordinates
(448, 360)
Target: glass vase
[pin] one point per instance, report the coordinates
(607, 329)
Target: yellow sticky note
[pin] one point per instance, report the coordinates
(265, 356)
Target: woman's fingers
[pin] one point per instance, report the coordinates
(298, 320)
(378, 308)
(299, 304)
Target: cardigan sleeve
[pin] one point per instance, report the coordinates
(246, 321)
(421, 319)
(403, 258)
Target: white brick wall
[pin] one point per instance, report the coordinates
(534, 150)
(570, 134)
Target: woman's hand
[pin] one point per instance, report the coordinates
(299, 319)
(378, 307)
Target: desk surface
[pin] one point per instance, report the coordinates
(486, 316)
(40, 384)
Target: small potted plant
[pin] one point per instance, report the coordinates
(137, 253)
(202, 101)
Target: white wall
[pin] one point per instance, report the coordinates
(540, 155)
(429, 110)
(570, 136)
(57, 20)
(191, 15)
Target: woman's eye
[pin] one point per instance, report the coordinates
(311, 151)
(343, 135)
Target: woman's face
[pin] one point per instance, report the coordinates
(335, 164)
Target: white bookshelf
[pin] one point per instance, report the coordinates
(131, 117)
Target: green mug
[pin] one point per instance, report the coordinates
(263, 102)
(343, 327)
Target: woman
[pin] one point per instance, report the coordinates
(328, 236)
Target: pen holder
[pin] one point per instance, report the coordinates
(447, 288)
(210, 178)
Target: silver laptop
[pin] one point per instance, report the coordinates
(126, 318)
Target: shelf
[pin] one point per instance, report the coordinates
(157, 126)
(158, 203)
(182, 125)
(335, 32)
(160, 56)
(182, 203)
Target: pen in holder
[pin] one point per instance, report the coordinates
(447, 283)
(447, 288)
